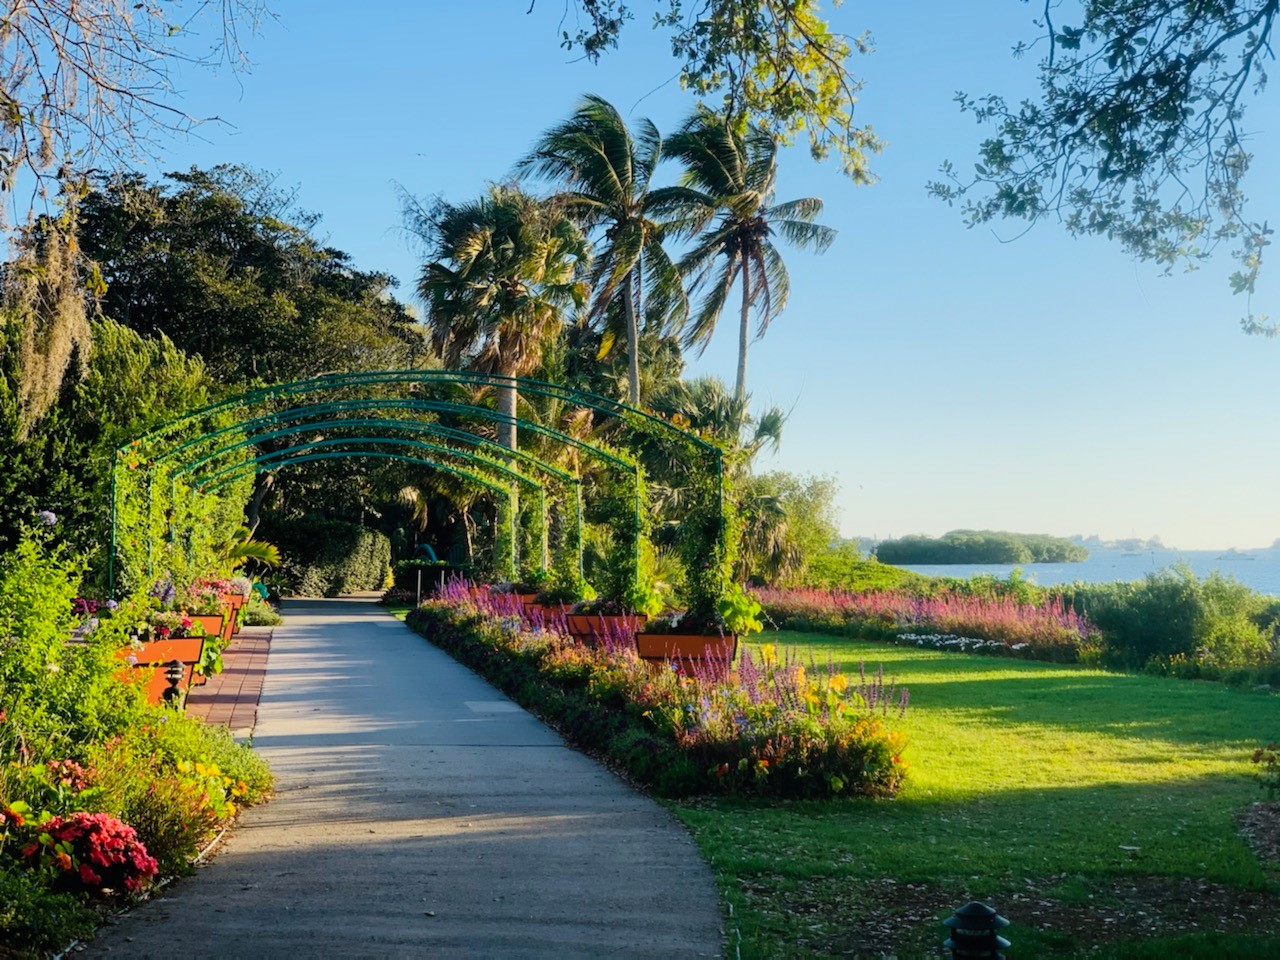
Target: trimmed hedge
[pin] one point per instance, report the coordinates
(326, 558)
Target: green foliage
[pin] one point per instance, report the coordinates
(777, 63)
(740, 612)
(60, 694)
(325, 558)
(132, 383)
(980, 546)
(1137, 134)
(258, 613)
(841, 567)
(1172, 616)
(34, 919)
(224, 265)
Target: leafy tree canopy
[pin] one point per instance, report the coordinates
(221, 262)
(1138, 133)
(773, 61)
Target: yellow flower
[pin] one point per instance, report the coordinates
(839, 683)
(768, 653)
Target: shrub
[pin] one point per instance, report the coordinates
(90, 853)
(325, 558)
(1215, 622)
(256, 612)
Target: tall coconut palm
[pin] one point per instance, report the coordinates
(605, 173)
(505, 268)
(736, 173)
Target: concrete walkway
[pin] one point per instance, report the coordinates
(420, 813)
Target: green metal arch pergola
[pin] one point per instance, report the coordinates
(413, 380)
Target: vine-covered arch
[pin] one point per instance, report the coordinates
(215, 450)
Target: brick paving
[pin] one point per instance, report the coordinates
(231, 697)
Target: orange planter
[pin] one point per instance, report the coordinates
(692, 651)
(156, 653)
(592, 628)
(232, 604)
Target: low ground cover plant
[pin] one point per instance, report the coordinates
(776, 726)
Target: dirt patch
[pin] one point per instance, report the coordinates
(878, 918)
(1260, 827)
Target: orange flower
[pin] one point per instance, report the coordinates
(63, 860)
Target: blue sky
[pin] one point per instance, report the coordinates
(948, 377)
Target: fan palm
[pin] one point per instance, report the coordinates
(504, 269)
(605, 173)
(736, 172)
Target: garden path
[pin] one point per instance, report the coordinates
(419, 812)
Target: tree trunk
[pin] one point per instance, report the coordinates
(467, 524)
(507, 407)
(633, 342)
(744, 334)
(262, 485)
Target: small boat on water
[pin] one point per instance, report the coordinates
(1234, 554)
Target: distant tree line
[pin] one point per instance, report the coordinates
(981, 546)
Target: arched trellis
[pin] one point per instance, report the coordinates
(572, 483)
(707, 455)
(305, 452)
(418, 405)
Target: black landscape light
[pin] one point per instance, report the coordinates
(973, 933)
(173, 673)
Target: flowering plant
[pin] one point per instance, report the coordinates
(90, 853)
(240, 585)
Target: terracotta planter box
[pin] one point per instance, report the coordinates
(156, 653)
(694, 652)
(591, 628)
(233, 601)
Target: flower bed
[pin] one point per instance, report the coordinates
(1002, 626)
(774, 727)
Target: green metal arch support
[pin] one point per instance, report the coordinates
(398, 403)
(581, 398)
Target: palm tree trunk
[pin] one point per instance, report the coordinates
(744, 334)
(507, 396)
(633, 343)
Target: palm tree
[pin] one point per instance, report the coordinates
(505, 268)
(736, 173)
(605, 173)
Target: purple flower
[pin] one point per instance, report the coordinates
(112, 605)
(48, 517)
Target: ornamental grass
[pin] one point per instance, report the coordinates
(775, 726)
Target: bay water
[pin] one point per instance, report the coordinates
(1259, 569)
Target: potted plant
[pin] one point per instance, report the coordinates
(696, 641)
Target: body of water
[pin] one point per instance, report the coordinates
(1259, 569)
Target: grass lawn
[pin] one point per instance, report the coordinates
(1095, 811)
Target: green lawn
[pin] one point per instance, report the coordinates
(1028, 781)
